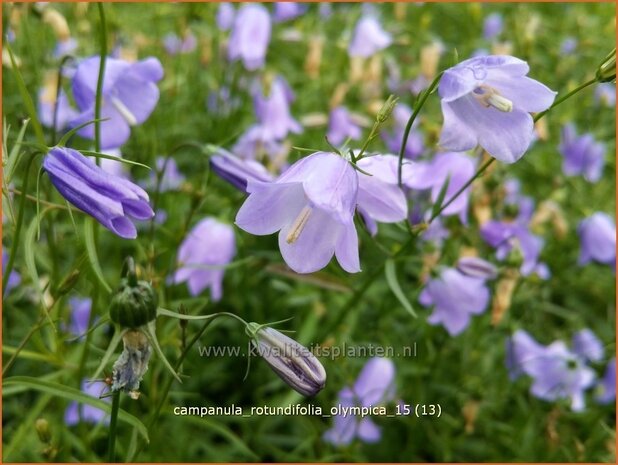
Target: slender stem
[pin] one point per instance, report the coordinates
(98, 97)
(170, 379)
(478, 173)
(111, 445)
(558, 101)
(18, 225)
(406, 133)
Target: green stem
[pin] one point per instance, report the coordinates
(18, 225)
(417, 108)
(558, 101)
(111, 445)
(99, 96)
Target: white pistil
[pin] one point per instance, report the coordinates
(124, 111)
(490, 97)
(298, 225)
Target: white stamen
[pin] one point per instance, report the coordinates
(490, 97)
(298, 225)
(124, 111)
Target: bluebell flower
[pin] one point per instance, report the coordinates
(111, 200)
(369, 38)
(250, 36)
(129, 97)
(341, 126)
(597, 234)
(492, 26)
(374, 387)
(202, 257)
(454, 297)
(606, 387)
(311, 205)
(488, 101)
(89, 414)
(582, 154)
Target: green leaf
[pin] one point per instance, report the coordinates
(62, 142)
(67, 392)
(90, 153)
(182, 316)
(30, 261)
(25, 96)
(93, 257)
(152, 337)
(435, 210)
(391, 278)
(14, 156)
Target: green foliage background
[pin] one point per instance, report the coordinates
(456, 372)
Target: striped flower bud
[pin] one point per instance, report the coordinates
(294, 363)
(476, 268)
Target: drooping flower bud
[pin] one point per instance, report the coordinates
(42, 430)
(476, 268)
(135, 302)
(294, 363)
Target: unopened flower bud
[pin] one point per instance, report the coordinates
(607, 70)
(135, 302)
(387, 109)
(294, 363)
(42, 430)
(476, 268)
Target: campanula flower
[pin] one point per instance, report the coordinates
(606, 387)
(175, 45)
(130, 94)
(47, 104)
(273, 110)
(225, 15)
(415, 145)
(111, 200)
(285, 11)
(341, 126)
(312, 206)
(476, 267)
(293, 362)
(557, 372)
(458, 168)
(171, 178)
(605, 93)
(582, 155)
(505, 235)
(89, 414)
(487, 101)
(65, 47)
(521, 350)
(238, 171)
(202, 257)
(587, 345)
(257, 141)
(250, 36)
(374, 386)
(379, 196)
(14, 278)
(455, 297)
(568, 46)
(597, 235)
(369, 38)
(492, 26)
(80, 315)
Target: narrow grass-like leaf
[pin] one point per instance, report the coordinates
(25, 96)
(64, 139)
(90, 153)
(435, 209)
(111, 348)
(30, 261)
(93, 257)
(152, 337)
(67, 392)
(391, 278)
(182, 316)
(14, 155)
